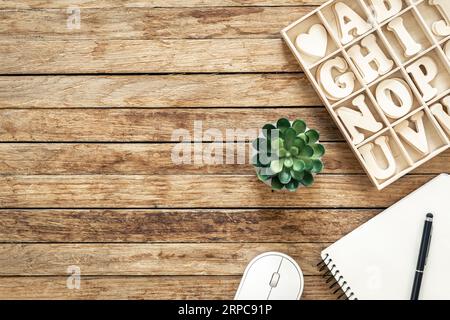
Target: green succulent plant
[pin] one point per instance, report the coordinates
(289, 155)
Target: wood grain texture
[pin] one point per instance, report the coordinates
(86, 176)
(154, 159)
(150, 23)
(157, 125)
(165, 226)
(145, 56)
(178, 288)
(161, 91)
(211, 191)
(174, 259)
(48, 4)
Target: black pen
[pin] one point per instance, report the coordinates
(423, 254)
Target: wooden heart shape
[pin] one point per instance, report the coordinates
(314, 43)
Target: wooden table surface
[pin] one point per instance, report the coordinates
(86, 176)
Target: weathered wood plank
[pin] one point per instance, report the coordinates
(217, 190)
(154, 159)
(149, 23)
(201, 225)
(142, 91)
(174, 259)
(97, 158)
(83, 4)
(164, 288)
(212, 191)
(158, 125)
(145, 56)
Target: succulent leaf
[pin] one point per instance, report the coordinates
(299, 165)
(299, 143)
(267, 130)
(308, 179)
(276, 166)
(281, 153)
(283, 124)
(289, 137)
(294, 151)
(277, 144)
(304, 137)
(284, 177)
(276, 184)
(299, 126)
(263, 177)
(297, 175)
(319, 151)
(317, 166)
(292, 185)
(288, 162)
(307, 151)
(313, 136)
(308, 164)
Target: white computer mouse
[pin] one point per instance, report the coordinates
(271, 276)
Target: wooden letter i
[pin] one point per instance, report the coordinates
(410, 46)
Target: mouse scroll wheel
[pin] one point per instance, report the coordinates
(275, 278)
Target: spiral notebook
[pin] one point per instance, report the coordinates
(377, 261)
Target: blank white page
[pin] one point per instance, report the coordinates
(378, 259)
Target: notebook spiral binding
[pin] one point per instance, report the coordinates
(336, 281)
